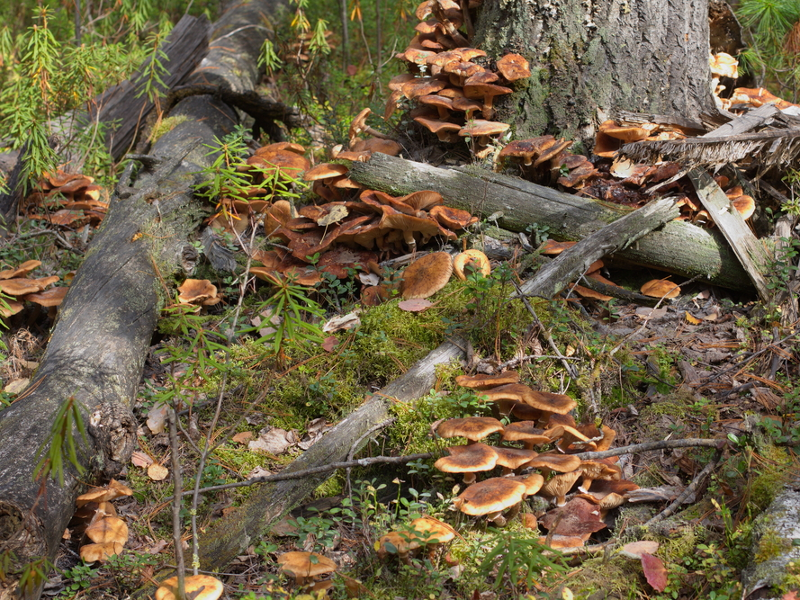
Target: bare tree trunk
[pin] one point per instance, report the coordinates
(589, 58)
(99, 343)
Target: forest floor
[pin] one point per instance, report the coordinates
(704, 365)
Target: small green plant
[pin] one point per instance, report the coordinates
(520, 562)
(292, 306)
(61, 443)
(78, 578)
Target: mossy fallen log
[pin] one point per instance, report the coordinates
(678, 247)
(98, 346)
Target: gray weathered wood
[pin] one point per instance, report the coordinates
(229, 536)
(555, 275)
(751, 253)
(97, 349)
(678, 247)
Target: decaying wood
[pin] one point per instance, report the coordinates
(97, 348)
(752, 255)
(778, 526)
(728, 143)
(229, 536)
(126, 104)
(678, 247)
(555, 275)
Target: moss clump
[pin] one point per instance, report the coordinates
(771, 478)
(770, 545)
(166, 125)
(617, 577)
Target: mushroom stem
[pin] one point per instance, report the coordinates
(497, 518)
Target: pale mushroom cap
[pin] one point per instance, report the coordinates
(212, 588)
(472, 428)
(558, 485)
(658, 288)
(476, 258)
(491, 495)
(299, 564)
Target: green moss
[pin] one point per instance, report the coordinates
(770, 545)
(616, 577)
(771, 478)
(166, 125)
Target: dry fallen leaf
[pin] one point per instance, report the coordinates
(415, 305)
(157, 418)
(329, 343)
(157, 472)
(692, 320)
(273, 441)
(243, 437)
(654, 571)
(140, 459)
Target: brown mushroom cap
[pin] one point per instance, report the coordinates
(444, 130)
(475, 258)
(196, 290)
(481, 381)
(422, 86)
(490, 496)
(20, 287)
(472, 428)
(661, 288)
(427, 275)
(468, 459)
(402, 541)
(197, 587)
(481, 129)
(48, 298)
(513, 67)
(300, 566)
(513, 458)
(561, 463)
(325, 171)
(546, 401)
(452, 218)
(533, 482)
(432, 531)
(526, 432)
(20, 271)
(625, 133)
(527, 149)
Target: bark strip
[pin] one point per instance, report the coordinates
(555, 275)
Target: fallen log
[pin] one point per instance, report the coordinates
(98, 346)
(678, 247)
(229, 536)
(555, 275)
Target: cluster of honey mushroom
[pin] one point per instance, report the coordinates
(20, 288)
(446, 82)
(67, 200)
(543, 421)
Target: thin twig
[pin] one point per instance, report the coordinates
(510, 364)
(567, 366)
(361, 462)
(648, 446)
(690, 489)
(177, 501)
(354, 449)
(748, 359)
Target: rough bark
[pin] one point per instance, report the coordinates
(774, 547)
(590, 58)
(678, 247)
(97, 348)
(229, 536)
(555, 275)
